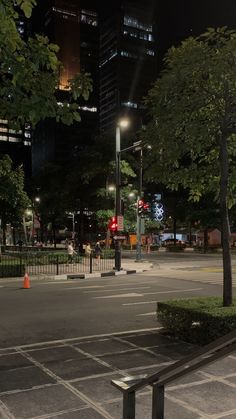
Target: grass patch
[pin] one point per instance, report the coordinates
(197, 320)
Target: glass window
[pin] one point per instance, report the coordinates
(150, 52)
(89, 17)
(128, 104)
(135, 23)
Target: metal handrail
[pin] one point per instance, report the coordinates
(203, 356)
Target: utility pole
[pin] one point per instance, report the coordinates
(117, 201)
(138, 226)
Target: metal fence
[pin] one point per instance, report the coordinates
(14, 264)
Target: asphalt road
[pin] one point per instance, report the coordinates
(53, 310)
(62, 342)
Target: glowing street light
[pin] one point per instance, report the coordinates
(122, 123)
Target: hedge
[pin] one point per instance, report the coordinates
(175, 248)
(197, 320)
(12, 270)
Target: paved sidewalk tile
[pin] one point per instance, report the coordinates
(71, 379)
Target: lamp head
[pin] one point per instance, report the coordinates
(123, 123)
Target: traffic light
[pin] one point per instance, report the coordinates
(143, 207)
(112, 225)
(146, 207)
(140, 206)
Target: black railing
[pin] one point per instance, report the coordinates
(203, 356)
(14, 264)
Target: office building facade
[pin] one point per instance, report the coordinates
(127, 62)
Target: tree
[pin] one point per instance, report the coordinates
(193, 126)
(29, 74)
(13, 198)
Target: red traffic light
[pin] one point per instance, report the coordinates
(112, 225)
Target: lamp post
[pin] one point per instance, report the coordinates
(123, 123)
(138, 227)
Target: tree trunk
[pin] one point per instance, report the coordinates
(3, 231)
(14, 236)
(4, 235)
(54, 235)
(190, 234)
(174, 230)
(227, 268)
(205, 240)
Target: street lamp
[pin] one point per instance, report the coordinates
(122, 123)
(139, 244)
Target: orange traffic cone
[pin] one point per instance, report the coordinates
(26, 285)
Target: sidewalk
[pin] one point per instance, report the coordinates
(71, 379)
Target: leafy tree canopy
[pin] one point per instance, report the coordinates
(192, 106)
(193, 127)
(13, 198)
(29, 73)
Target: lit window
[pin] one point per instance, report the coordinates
(14, 140)
(89, 17)
(133, 105)
(138, 34)
(150, 52)
(85, 108)
(64, 12)
(135, 23)
(128, 54)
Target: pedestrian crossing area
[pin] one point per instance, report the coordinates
(212, 275)
(213, 281)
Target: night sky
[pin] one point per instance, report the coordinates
(179, 19)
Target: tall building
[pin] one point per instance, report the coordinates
(127, 62)
(73, 26)
(116, 45)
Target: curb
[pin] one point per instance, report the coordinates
(101, 275)
(65, 277)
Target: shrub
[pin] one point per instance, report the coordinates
(197, 320)
(154, 247)
(126, 246)
(175, 248)
(108, 253)
(12, 270)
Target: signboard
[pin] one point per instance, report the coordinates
(120, 223)
(119, 237)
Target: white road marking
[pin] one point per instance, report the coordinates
(147, 314)
(131, 294)
(140, 302)
(170, 292)
(134, 294)
(56, 282)
(116, 289)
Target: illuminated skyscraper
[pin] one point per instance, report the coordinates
(73, 26)
(128, 63)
